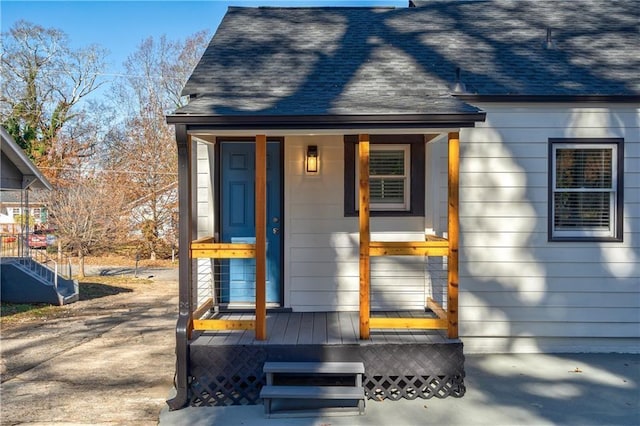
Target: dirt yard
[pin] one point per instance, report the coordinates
(106, 359)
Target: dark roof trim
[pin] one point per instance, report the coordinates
(550, 98)
(329, 122)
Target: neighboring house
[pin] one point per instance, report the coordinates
(18, 177)
(164, 204)
(23, 279)
(17, 172)
(13, 209)
(500, 208)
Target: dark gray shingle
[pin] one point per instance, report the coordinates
(337, 61)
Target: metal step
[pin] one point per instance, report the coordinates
(314, 367)
(349, 398)
(312, 392)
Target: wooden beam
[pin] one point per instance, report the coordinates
(436, 308)
(365, 235)
(261, 237)
(409, 323)
(223, 250)
(218, 324)
(203, 309)
(454, 234)
(408, 248)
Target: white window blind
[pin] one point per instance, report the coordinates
(388, 177)
(584, 190)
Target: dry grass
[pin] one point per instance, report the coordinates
(91, 288)
(111, 260)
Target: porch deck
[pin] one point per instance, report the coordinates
(225, 366)
(319, 328)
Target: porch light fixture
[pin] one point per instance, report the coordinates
(312, 159)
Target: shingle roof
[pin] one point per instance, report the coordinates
(377, 61)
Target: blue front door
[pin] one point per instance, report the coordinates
(237, 214)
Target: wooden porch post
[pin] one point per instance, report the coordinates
(261, 237)
(454, 228)
(365, 235)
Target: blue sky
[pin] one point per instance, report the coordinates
(120, 26)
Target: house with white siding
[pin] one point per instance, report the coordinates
(19, 177)
(400, 186)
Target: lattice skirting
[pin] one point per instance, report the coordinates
(232, 375)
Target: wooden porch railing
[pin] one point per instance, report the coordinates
(433, 246)
(207, 248)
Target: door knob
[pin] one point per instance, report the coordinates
(276, 231)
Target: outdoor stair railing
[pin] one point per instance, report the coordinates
(38, 262)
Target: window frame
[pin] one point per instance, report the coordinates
(406, 204)
(616, 191)
(415, 176)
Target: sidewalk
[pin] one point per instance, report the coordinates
(525, 389)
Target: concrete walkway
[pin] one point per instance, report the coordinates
(528, 389)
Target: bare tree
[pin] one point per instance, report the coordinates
(43, 81)
(87, 216)
(145, 145)
(43, 103)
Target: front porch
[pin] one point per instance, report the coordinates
(226, 365)
(208, 247)
(406, 353)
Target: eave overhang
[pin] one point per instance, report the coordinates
(32, 177)
(550, 98)
(271, 122)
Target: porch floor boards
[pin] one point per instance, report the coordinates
(318, 328)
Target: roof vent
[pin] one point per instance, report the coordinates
(459, 87)
(549, 43)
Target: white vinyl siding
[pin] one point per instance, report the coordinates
(520, 292)
(205, 215)
(321, 244)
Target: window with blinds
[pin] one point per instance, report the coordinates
(584, 190)
(389, 176)
(397, 175)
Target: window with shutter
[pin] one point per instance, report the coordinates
(585, 195)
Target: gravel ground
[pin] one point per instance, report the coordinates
(111, 361)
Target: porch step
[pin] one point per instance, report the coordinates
(314, 367)
(312, 392)
(343, 397)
